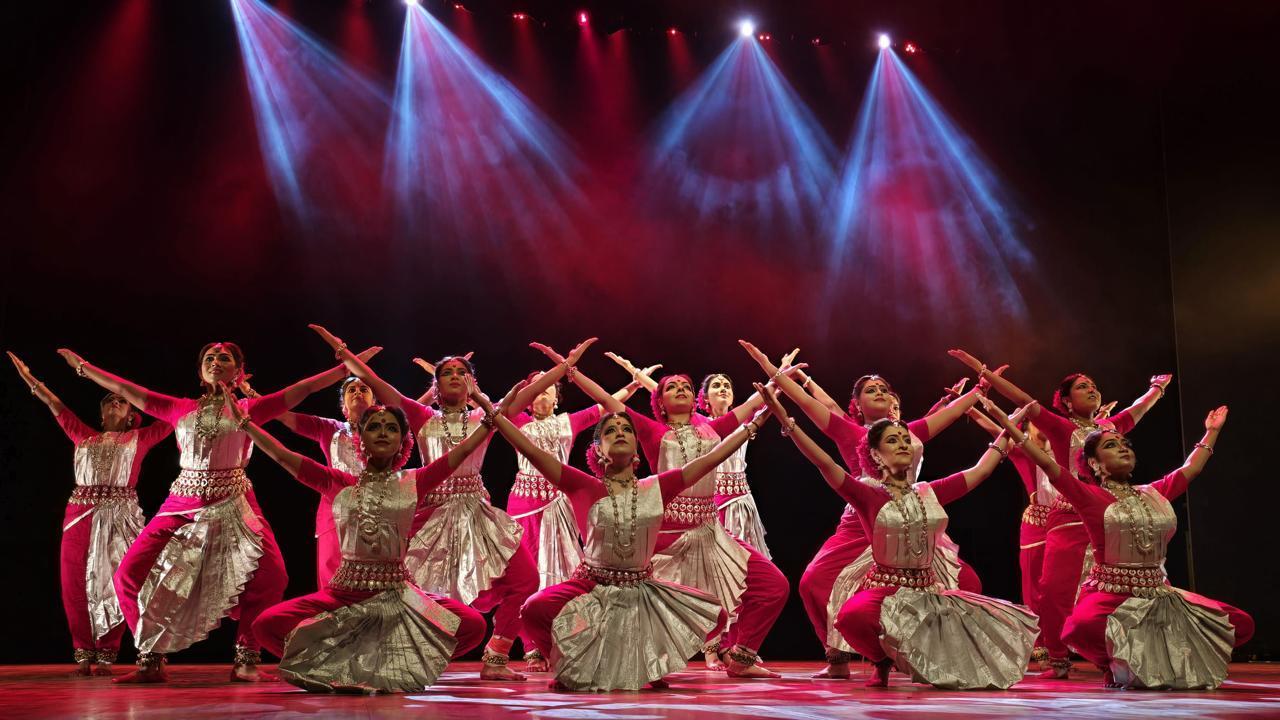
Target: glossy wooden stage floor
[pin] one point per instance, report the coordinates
(199, 691)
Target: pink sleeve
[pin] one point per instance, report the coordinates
(151, 434)
(521, 419)
(583, 491)
(1172, 485)
(315, 428)
(167, 408)
(75, 429)
(846, 434)
(417, 413)
(583, 419)
(1073, 489)
(1123, 422)
(267, 407)
(325, 480)
(671, 483)
(950, 488)
(920, 428)
(725, 424)
(1026, 468)
(1058, 429)
(866, 500)
(650, 433)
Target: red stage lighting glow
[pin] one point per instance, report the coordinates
(672, 31)
(765, 36)
(520, 16)
(582, 18)
(910, 49)
(816, 41)
(458, 6)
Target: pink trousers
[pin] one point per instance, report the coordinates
(1063, 561)
(74, 559)
(264, 589)
(859, 622)
(275, 623)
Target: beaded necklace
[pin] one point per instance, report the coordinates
(208, 413)
(465, 417)
(621, 548)
(103, 451)
(916, 549)
(678, 432)
(1144, 536)
(369, 496)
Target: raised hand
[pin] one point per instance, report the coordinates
(546, 350)
(1216, 418)
(625, 363)
(511, 394)
(24, 371)
(576, 354)
(761, 359)
(789, 357)
(958, 389)
(429, 367)
(333, 341)
(72, 359)
(233, 408)
(771, 400)
(649, 371)
(972, 362)
(365, 355)
(1162, 381)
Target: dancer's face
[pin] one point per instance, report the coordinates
(895, 449)
(875, 400)
(1084, 399)
(677, 395)
(618, 440)
(720, 394)
(356, 398)
(116, 413)
(1115, 456)
(545, 403)
(381, 437)
(453, 381)
(219, 365)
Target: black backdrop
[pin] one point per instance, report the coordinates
(1140, 141)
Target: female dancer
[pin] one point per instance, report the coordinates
(371, 629)
(550, 533)
(102, 518)
(465, 548)
(733, 499)
(845, 557)
(1129, 621)
(899, 614)
(693, 548)
(614, 627)
(208, 552)
(337, 442)
(1066, 552)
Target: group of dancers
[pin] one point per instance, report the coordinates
(611, 579)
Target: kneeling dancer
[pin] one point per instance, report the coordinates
(371, 630)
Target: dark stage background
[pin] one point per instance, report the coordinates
(1138, 141)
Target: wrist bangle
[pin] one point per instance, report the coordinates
(35, 388)
(337, 353)
(807, 379)
(1023, 441)
(752, 429)
(788, 426)
(1159, 388)
(775, 376)
(489, 420)
(80, 368)
(569, 371)
(1205, 447)
(1003, 453)
(244, 422)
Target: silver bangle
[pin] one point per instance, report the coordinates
(1205, 447)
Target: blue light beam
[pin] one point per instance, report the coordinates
(468, 157)
(319, 122)
(739, 146)
(919, 213)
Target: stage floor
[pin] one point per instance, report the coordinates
(199, 691)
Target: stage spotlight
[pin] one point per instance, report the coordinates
(520, 16)
(673, 32)
(765, 36)
(456, 6)
(816, 41)
(883, 41)
(410, 3)
(910, 49)
(746, 28)
(582, 18)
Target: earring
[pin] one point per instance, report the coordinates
(635, 463)
(601, 457)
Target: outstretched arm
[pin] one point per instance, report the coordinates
(382, 390)
(813, 408)
(642, 376)
(998, 381)
(286, 458)
(698, 467)
(832, 472)
(526, 394)
(1148, 399)
(941, 420)
(811, 386)
(135, 394)
(1019, 438)
(584, 383)
(1204, 449)
(299, 391)
(477, 437)
(44, 394)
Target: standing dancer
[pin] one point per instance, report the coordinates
(900, 614)
(337, 441)
(208, 553)
(1129, 621)
(465, 548)
(371, 629)
(838, 567)
(693, 548)
(102, 518)
(1067, 555)
(550, 532)
(614, 627)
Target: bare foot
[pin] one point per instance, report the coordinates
(143, 675)
(83, 669)
(1056, 672)
(103, 670)
(251, 674)
(558, 686)
(501, 673)
(713, 660)
(659, 684)
(536, 663)
(879, 677)
(1109, 680)
(755, 670)
(833, 671)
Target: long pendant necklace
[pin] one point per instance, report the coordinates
(678, 433)
(103, 451)
(370, 492)
(449, 442)
(918, 548)
(623, 548)
(208, 413)
(1143, 535)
